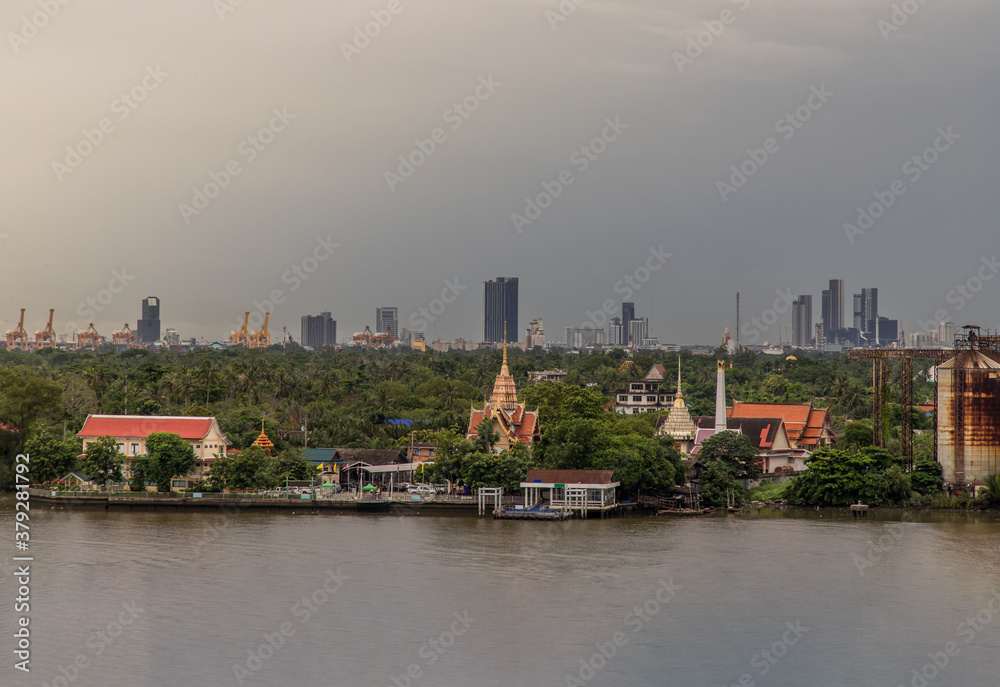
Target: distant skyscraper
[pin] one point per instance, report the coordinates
(616, 332)
(836, 304)
(869, 311)
(500, 310)
(581, 338)
(387, 320)
(535, 334)
(148, 328)
(859, 312)
(628, 313)
(319, 330)
(826, 315)
(802, 321)
(888, 331)
(636, 332)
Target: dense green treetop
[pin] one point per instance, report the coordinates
(344, 398)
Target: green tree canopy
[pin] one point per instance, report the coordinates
(557, 402)
(51, 459)
(718, 484)
(857, 435)
(926, 477)
(251, 469)
(102, 461)
(25, 396)
(167, 456)
(839, 478)
(735, 450)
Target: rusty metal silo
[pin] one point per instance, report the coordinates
(968, 433)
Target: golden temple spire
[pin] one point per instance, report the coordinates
(504, 344)
(504, 389)
(262, 440)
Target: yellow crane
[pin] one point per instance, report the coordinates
(46, 337)
(126, 337)
(241, 337)
(18, 334)
(89, 338)
(261, 338)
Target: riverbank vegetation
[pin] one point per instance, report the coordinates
(346, 399)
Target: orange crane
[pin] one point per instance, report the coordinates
(241, 337)
(46, 337)
(18, 334)
(261, 338)
(89, 338)
(126, 338)
(368, 339)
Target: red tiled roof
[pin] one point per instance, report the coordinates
(803, 423)
(817, 417)
(790, 412)
(571, 476)
(139, 426)
(523, 423)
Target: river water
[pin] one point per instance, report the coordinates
(797, 599)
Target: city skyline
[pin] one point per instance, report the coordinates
(786, 324)
(642, 142)
(791, 322)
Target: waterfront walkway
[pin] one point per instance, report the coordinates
(399, 503)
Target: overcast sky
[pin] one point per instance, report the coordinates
(200, 78)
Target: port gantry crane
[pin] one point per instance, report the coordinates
(89, 338)
(262, 337)
(46, 337)
(241, 337)
(126, 338)
(18, 334)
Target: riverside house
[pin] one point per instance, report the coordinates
(130, 432)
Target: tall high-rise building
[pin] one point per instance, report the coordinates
(866, 313)
(869, 311)
(387, 320)
(319, 330)
(826, 315)
(500, 310)
(836, 304)
(636, 331)
(616, 332)
(582, 338)
(888, 331)
(535, 334)
(148, 328)
(628, 313)
(802, 321)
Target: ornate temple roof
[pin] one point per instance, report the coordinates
(263, 441)
(504, 390)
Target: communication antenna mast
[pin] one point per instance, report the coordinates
(738, 320)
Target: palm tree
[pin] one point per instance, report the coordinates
(853, 399)
(98, 378)
(991, 490)
(206, 374)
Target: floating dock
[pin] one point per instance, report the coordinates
(539, 511)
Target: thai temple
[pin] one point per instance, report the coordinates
(678, 424)
(511, 420)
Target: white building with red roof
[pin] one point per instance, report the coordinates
(130, 432)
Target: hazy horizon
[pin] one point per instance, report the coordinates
(303, 138)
